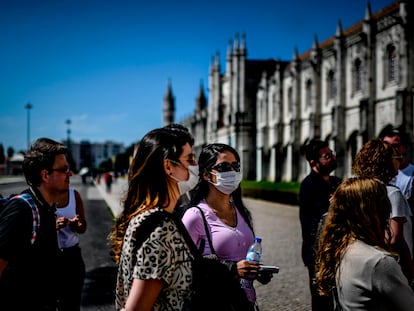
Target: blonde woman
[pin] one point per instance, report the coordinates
(354, 262)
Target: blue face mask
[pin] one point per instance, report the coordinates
(227, 182)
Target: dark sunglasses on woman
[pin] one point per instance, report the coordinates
(227, 167)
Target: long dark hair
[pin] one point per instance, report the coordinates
(148, 183)
(206, 161)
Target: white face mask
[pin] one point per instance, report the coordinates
(186, 185)
(227, 182)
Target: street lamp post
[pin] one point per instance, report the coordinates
(28, 107)
(68, 131)
(68, 144)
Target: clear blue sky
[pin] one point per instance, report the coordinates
(105, 64)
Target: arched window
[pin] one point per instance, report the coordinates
(220, 120)
(357, 75)
(391, 63)
(275, 106)
(332, 88)
(290, 100)
(262, 109)
(309, 94)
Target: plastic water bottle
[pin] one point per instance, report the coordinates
(254, 253)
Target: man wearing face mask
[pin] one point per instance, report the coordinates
(315, 192)
(218, 198)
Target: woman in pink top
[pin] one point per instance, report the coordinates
(218, 196)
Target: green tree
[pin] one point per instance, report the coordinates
(121, 164)
(2, 156)
(10, 152)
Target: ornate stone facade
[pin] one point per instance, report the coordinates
(344, 90)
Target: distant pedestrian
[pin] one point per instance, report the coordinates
(29, 274)
(69, 222)
(315, 192)
(355, 263)
(108, 181)
(155, 268)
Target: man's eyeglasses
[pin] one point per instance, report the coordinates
(227, 167)
(64, 170)
(328, 156)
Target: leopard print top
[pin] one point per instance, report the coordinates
(163, 255)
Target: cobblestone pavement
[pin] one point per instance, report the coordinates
(279, 227)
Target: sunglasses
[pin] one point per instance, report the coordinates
(227, 167)
(192, 159)
(328, 156)
(64, 170)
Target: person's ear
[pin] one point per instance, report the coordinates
(206, 175)
(312, 163)
(167, 167)
(44, 175)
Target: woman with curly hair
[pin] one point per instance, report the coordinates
(154, 270)
(354, 261)
(379, 159)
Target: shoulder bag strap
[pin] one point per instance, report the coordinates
(207, 230)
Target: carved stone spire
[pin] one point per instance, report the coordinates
(201, 101)
(169, 105)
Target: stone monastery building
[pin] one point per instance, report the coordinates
(344, 90)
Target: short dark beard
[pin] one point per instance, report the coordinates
(326, 170)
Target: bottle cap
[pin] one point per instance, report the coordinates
(257, 239)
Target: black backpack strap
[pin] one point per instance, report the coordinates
(154, 220)
(187, 238)
(147, 226)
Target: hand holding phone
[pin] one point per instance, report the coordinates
(269, 269)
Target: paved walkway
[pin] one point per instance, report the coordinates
(114, 197)
(6, 179)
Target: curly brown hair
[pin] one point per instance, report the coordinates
(375, 160)
(359, 209)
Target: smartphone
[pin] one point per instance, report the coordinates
(269, 269)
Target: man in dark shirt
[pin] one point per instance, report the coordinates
(315, 192)
(28, 272)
